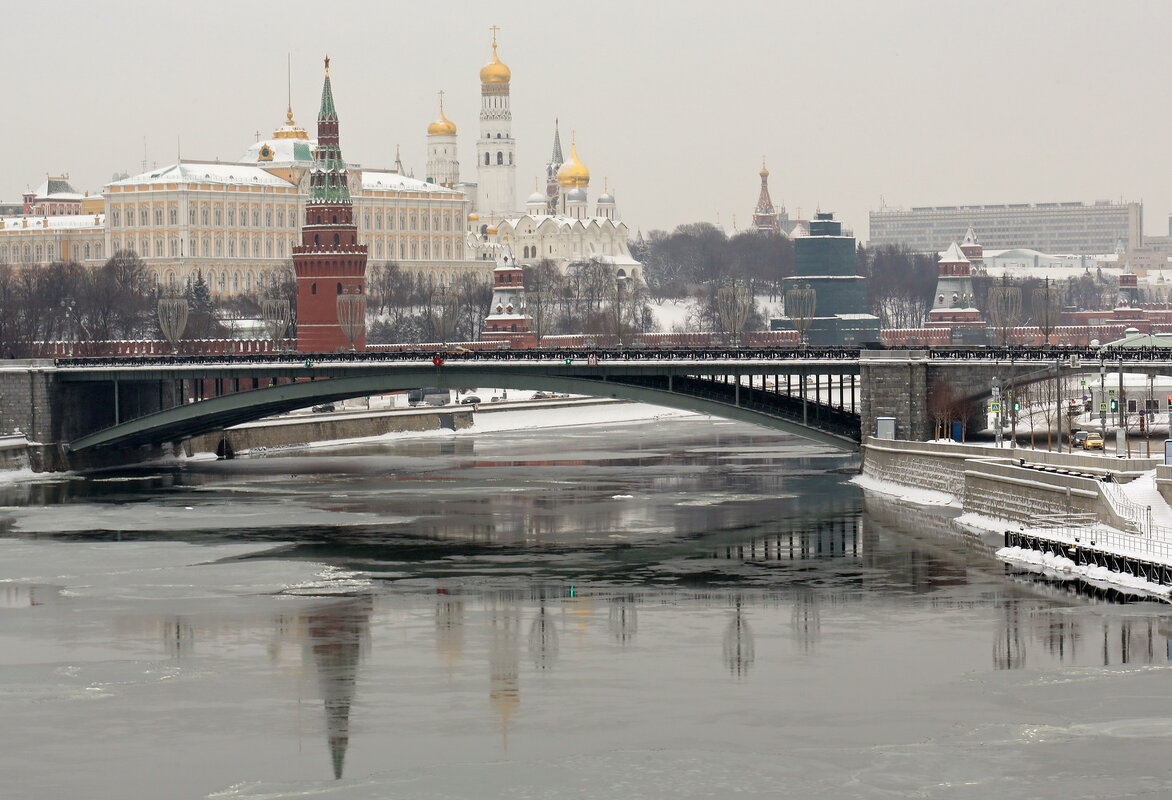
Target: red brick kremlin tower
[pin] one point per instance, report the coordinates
(329, 263)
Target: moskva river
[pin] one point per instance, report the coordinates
(679, 608)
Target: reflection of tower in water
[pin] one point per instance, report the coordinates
(449, 627)
(806, 620)
(504, 659)
(543, 640)
(738, 644)
(178, 637)
(1009, 650)
(336, 636)
(623, 620)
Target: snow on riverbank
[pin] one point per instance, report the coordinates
(1062, 567)
(1044, 563)
(923, 497)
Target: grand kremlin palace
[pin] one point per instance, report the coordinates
(235, 223)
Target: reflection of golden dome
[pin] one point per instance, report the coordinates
(574, 172)
(495, 71)
(442, 126)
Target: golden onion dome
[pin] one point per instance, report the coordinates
(442, 126)
(574, 172)
(474, 217)
(491, 230)
(495, 71)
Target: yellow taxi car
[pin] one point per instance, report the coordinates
(1094, 441)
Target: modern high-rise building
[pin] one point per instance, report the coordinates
(1075, 228)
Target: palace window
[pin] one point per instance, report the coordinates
(268, 217)
(231, 248)
(117, 218)
(158, 216)
(500, 158)
(486, 160)
(219, 248)
(173, 215)
(219, 217)
(231, 216)
(144, 217)
(191, 216)
(256, 218)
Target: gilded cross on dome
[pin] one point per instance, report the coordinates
(327, 65)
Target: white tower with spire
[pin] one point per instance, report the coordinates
(443, 167)
(496, 195)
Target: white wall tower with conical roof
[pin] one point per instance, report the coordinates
(496, 194)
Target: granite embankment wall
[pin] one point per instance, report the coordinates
(302, 430)
(1008, 483)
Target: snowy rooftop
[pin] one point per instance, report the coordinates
(205, 172)
(63, 222)
(953, 255)
(390, 181)
(284, 151)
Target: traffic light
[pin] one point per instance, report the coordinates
(1016, 406)
(1114, 405)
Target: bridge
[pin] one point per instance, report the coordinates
(830, 395)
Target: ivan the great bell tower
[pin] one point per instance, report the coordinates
(329, 262)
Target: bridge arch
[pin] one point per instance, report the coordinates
(204, 416)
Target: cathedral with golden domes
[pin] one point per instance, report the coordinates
(557, 222)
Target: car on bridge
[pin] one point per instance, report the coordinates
(1078, 439)
(1094, 441)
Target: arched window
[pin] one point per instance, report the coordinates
(510, 157)
(269, 217)
(235, 283)
(256, 218)
(316, 239)
(222, 283)
(173, 215)
(498, 136)
(144, 217)
(339, 289)
(335, 219)
(486, 160)
(402, 250)
(219, 248)
(313, 288)
(500, 158)
(191, 216)
(337, 239)
(51, 251)
(268, 248)
(219, 217)
(231, 216)
(158, 216)
(231, 248)
(86, 250)
(117, 217)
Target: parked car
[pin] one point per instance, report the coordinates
(1093, 441)
(1078, 439)
(470, 400)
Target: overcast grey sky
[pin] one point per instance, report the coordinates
(853, 102)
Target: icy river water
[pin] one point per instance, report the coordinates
(679, 608)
